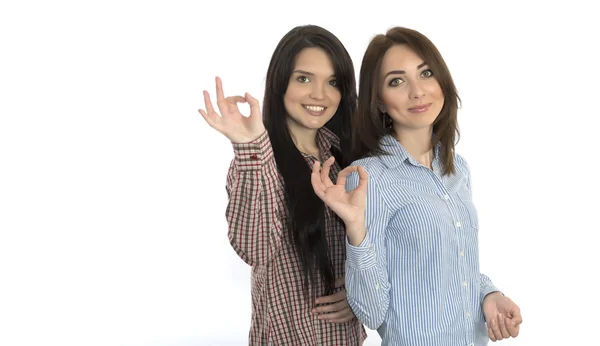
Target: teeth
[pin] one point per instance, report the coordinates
(314, 108)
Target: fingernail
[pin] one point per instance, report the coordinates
(500, 317)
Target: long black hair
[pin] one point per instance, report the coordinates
(305, 210)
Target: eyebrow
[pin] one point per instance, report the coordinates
(308, 73)
(402, 71)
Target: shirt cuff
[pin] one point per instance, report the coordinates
(361, 257)
(485, 290)
(253, 155)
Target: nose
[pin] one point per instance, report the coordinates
(416, 91)
(317, 92)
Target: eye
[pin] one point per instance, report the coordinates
(427, 73)
(303, 79)
(396, 82)
(333, 83)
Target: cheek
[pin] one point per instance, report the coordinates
(436, 91)
(335, 97)
(290, 100)
(393, 99)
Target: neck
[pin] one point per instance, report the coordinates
(304, 139)
(417, 142)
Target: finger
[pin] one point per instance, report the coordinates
(516, 315)
(232, 101)
(220, 95)
(512, 327)
(336, 316)
(347, 317)
(339, 282)
(363, 177)
(332, 298)
(502, 326)
(254, 106)
(235, 99)
(315, 179)
(207, 117)
(343, 174)
(496, 329)
(325, 172)
(208, 104)
(324, 309)
(491, 334)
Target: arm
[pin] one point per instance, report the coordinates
(254, 191)
(486, 286)
(367, 282)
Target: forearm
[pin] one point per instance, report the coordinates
(486, 286)
(254, 191)
(366, 284)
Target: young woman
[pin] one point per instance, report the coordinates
(294, 243)
(413, 258)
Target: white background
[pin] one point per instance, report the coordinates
(112, 186)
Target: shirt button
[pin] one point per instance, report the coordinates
(254, 157)
(446, 197)
(465, 284)
(468, 314)
(462, 253)
(377, 286)
(457, 224)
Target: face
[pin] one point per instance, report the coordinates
(409, 92)
(312, 95)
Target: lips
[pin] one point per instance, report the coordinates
(420, 108)
(314, 110)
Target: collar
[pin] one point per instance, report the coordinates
(395, 153)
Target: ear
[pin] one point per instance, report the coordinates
(380, 106)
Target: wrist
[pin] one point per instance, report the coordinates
(493, 294)
(356, 235)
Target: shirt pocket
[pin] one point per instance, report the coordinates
(467, 207)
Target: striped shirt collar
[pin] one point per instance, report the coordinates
(397, 154)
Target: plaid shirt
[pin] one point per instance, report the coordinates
(256, 213)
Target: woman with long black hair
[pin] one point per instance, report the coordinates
(277, 224)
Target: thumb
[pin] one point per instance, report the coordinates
(489, 313)
(254, 106)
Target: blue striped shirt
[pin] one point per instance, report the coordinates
(415, 277)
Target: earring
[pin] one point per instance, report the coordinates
(387, 121)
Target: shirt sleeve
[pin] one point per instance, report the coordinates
(367, 284)
(486, 286)
(255, 194)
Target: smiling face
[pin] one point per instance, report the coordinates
(409, 92)
(312, 95)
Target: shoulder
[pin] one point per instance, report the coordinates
(461, 164)
(371, 164)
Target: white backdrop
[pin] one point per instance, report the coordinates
(112, 187)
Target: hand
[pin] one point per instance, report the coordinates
(349, 206)
(337, 309)
(235, 126)
(502, 316)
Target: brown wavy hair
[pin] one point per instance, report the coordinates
(369, 126)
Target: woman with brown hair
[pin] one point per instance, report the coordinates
(412, 268)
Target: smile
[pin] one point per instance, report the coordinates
(314, 108)
(420, 109)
